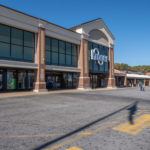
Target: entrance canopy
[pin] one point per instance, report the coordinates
(136, 76)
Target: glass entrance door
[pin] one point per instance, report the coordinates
(1, 81)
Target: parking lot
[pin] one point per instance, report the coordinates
(82, 120)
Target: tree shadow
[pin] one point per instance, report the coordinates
(81, 128)
(132, 111)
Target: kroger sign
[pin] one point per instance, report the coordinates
(96, 56)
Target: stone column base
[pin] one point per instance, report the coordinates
(39, 87)
(110, 82)
(83, 83)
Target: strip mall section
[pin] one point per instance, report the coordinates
(129, 78)
(38, 55)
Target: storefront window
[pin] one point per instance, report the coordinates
(93, 65)
(68, 48)
(74, 79)
(4, 33)
(11, 79)
(30, 79)
(62, 53)
(61, 59)
(16, 52)
(61, 47)
(65, 79)
(69, 79)
(21, 79)
(95, 80)
(4, 51)
(54, 58)
(21, 47)
(68, 60)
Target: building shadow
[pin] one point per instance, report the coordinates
(50, 143)
(132, 111)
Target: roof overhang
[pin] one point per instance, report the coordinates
(16, 64)
(120, 75)
(136, 76)
(62, 68)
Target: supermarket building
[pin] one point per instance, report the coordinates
(33, 51)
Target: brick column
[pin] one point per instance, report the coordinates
(135, 82)
(83, 80)
(39, 74)
(125, 80)
(110, 79)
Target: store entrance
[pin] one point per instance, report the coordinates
(53, 81)
(60, 80)
(97, 80)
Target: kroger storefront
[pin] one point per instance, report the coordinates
(35, 52)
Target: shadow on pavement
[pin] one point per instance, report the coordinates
(81, 128)
(132, 111)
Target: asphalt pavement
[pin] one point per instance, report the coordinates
(85, 120)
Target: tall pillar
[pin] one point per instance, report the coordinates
(109, 78)
(83, 79)
(149, 83)
(39, 74)
(125, 80)
(135, 82)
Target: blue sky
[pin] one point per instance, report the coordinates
(128, 21)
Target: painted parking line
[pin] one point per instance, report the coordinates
(77, 138)
(74, 148)
(140, 124)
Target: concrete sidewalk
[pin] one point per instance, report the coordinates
(27, 93)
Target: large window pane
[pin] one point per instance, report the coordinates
(16, 36)
(4, 33)
(68, 48)
(11, 79)
(4, 51)
(47, 43)
(70, 80)
(61, 47)
(28, 39)
(74, 49)
(54, 45)
(28, 54)
(74, 80)
(90, 63)
(22, 79)
(54, 58)
(61, 59)
(95, 45)
(95, 65)
(30, 79)
(89, 48)
(68, 60)
(47, 57)
(65, 80)
(74, 61)
(16, 52)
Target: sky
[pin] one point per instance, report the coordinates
(128, 21)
